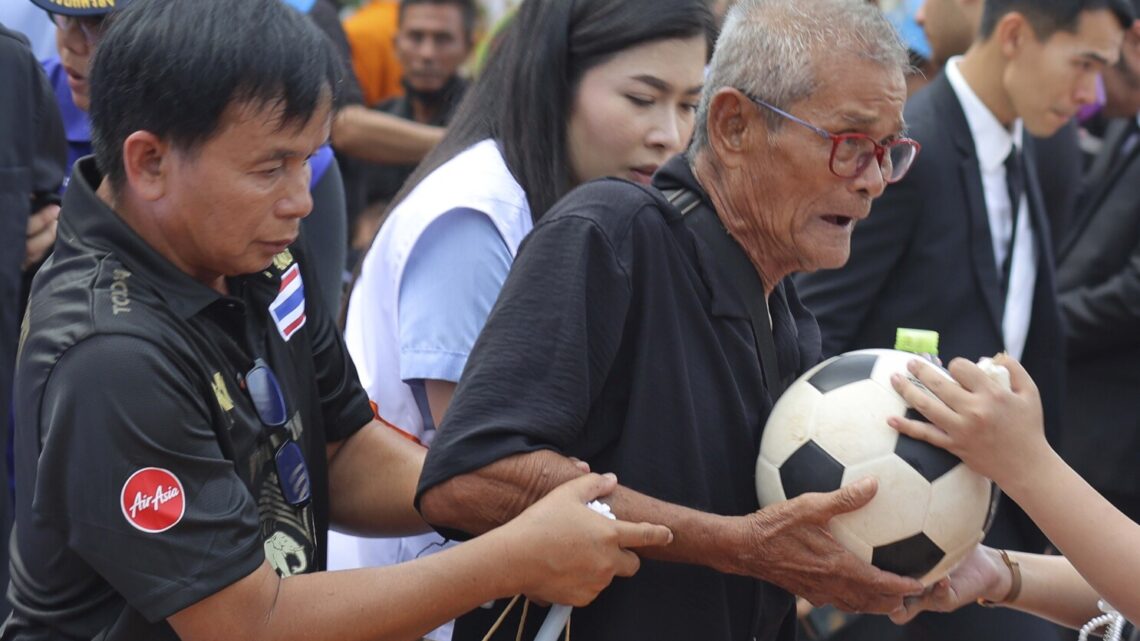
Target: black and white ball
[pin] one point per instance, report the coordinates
(830, 429)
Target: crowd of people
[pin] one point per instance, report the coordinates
(318, 325)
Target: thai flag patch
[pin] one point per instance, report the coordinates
(288, 309)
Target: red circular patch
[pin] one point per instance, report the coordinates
(153, 500)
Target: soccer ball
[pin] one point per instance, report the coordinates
(830, 429)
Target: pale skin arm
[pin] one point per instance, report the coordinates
(1051, 588)
(786, 544)
(558, 551)
(382, 138)
(1001, 435)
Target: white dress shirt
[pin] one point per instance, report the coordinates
(993, 142)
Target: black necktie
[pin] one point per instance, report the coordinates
(1015, 184)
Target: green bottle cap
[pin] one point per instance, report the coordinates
(917, 341)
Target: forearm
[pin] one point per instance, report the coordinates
(372, 483)
(1052, 589)
(498, 492)
(372, 603)
(382, 138)
(1099, 541)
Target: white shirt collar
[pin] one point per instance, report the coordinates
(992, 141)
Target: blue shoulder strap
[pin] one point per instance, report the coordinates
(319, 163)
(301, 5)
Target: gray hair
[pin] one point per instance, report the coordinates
(768, 49)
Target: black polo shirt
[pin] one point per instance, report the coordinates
(618, 339)
(145, 479)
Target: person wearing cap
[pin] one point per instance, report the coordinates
(188, 426)
(78, 32)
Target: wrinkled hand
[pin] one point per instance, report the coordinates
(40, 234)
(999, 433)
(979, 575)
(569, 553)
(794, 549)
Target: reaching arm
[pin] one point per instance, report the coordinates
(1000, 434)
(372, 483)
(383, 138)
(787, 544)
(558, 551)
(1050, 588)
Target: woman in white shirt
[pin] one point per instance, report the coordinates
(573, 91)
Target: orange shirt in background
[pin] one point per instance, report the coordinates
(370, 32)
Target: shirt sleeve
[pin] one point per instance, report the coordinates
(453, 275)
(132, 467)
(344, 403)
(546, 351)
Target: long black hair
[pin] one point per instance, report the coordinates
(524, 95)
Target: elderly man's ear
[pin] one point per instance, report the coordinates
(732, 131)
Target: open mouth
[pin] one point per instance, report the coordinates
(839, 221)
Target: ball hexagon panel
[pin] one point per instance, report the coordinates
(898, 509)
(956, 515)
(810, 469)
(842, 370)
(768, 487)
(851, 422)
(913, 556)
(929, 461)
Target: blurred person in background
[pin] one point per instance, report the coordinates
(434, 39)
(31, 172)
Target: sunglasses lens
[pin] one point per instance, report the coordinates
(266, 395)
(293, 474)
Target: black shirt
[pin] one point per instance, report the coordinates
(145, 479)
(33, 159)
(617, 339)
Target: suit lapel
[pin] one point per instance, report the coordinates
(1103, 177)
(970, 177)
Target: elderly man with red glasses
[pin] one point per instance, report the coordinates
(962, 245)
(649, 332)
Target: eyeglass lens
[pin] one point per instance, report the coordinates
(293, 474)
(265, 392)
(854, 154)
(91, 26)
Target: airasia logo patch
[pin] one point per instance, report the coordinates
(153, 500)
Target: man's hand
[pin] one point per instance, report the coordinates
(980, 575)
(567, 552)
(794, 549)
(40, 234)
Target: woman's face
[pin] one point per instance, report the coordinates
(634, 111)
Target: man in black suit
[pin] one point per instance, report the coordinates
(1098, 282)
(962, 245)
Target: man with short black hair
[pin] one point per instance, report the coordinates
(962, 245)
(188, 421)
(433, 40)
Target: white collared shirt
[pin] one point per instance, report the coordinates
(993, 143)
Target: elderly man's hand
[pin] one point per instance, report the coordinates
(40, 234)
(979, 575)
(794, 549)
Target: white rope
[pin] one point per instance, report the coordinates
(1111, 620)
